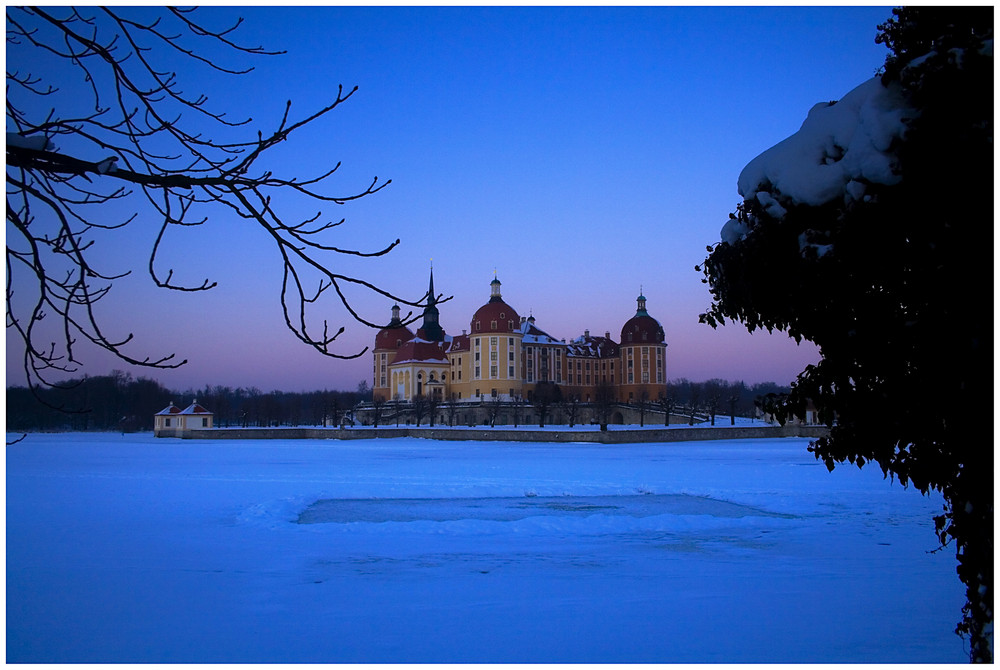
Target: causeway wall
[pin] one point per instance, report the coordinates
(610, 436)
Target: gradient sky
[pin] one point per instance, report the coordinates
(579, 152)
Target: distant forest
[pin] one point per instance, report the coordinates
(120, 402)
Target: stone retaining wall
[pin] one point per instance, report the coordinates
(611, 436)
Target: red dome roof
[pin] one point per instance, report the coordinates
(642, 327)
(496, 316)
(393, 338)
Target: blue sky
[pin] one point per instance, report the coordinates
(579, 152)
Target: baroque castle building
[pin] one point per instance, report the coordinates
(504, 355)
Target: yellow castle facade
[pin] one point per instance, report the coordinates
(505, 356)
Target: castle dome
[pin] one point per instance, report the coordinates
(496, 316)
(393, 335)
(642, 327)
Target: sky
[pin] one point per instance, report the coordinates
(581, 154)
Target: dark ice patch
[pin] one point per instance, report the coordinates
(378, 510)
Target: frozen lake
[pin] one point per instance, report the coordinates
(136, 549)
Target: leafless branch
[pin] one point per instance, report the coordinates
(114, 126)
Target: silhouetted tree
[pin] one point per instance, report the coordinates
(544, 397)
(604, 402)
(418, 406)
(378, 406)
(451, 410)
(893, 278)
(667, 403)
(571, 407)
(642, 403)
(694, 399)
(433, 403)
(106, 125)
(493, 408)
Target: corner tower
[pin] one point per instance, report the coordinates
(643, 357)
(495, 346)
(387, 343)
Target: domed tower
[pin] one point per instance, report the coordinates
(643, 357)
(387, 343)
(495, 347)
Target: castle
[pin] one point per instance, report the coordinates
(507, 357)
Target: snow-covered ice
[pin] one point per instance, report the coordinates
(136, 549)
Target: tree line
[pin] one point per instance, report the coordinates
(120, 402)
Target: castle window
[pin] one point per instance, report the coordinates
(494, 341)
(477, 330)
(502, 315)
(493, 372)
(510, 370)
(510, 355)
(510, 324)
(510, 341)
(493, 325)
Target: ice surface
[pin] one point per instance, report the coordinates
(136, 549)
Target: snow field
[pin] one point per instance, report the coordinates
(136, 549)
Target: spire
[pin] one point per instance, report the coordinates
(430, 289)
(431, 329)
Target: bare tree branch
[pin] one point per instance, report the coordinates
(105, 121)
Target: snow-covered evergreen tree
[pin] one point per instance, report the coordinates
(869, 232)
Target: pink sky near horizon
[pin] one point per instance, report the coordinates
(579, 153)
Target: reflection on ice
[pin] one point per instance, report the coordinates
(376, 510)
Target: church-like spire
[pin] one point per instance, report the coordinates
(431, 329)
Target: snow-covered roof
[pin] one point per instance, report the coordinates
(587, 346)
(168, 410)
(532, 334)
(194, 408)
(421, 351)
